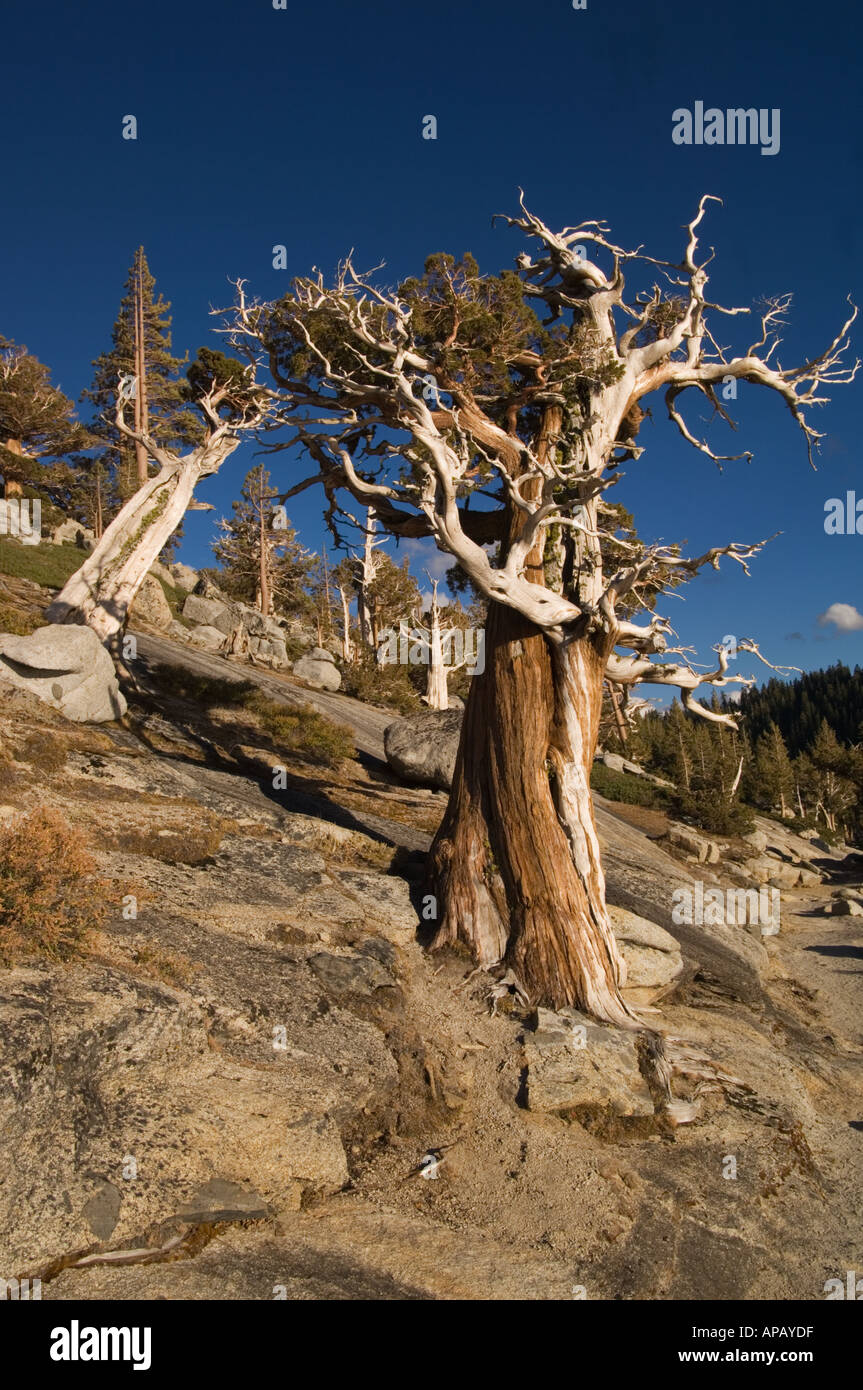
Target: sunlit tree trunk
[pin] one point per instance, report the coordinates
(101, 592)
(142, 423)
(265, 601)
(437, 687)
(347, 644)
(515, 867)
(366, 570)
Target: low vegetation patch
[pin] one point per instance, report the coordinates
(9, 777)
(50, 896)
(300, 729)
(18, 623)
(191, 843)
(388, 685)
(625, 786)
(160, 964)
(175, 599)
(45, 564)
(43, 751)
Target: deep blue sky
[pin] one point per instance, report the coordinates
(302, 126)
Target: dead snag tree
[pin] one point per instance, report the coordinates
(101, 592)
(450, 391)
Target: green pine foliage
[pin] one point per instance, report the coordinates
(768, 780)
(39, 433)
(259, 524)
(816, 783)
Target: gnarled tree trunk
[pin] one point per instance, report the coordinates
(515, 866)
(101, 592)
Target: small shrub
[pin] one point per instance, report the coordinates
(294, 648)
(164, 965)
(50, 899)
(18, 623)
(301, 730)
(365, 679)
(626, 787)
(175, 597)
(710, 812)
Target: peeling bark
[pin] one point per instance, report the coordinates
(515, 866)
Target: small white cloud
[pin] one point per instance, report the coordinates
(843, 616)
(733, 696)
(443, 600)
(425, 557)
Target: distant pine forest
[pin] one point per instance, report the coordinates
(798, 707)
(797, 753)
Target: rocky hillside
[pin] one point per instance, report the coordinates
(249, 1078)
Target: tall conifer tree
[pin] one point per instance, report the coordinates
(140, 349)
(262, 561)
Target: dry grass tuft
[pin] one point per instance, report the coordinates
(168, 966)
(43, 751)
(192, 843)
(50, 897)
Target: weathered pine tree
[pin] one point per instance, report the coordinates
(826, 779)
(533, 418)
(101, 592)
(771, 777)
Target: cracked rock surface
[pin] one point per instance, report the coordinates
(229, 1094)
